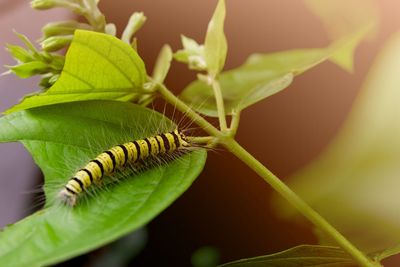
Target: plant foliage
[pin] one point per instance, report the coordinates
(77, 116)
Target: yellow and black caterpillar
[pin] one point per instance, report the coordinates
(118, 157)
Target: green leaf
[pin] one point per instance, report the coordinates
(19, 53)
(240, 89)
(357, 177)
(300, 256)
(97, 66)
(61, 139)
(215, 45)
(344, 56)
(163, 63)
(26, 70)
(27, 42)
(261, 76)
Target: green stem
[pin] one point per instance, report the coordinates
(235, 148)
(200, 139)
(220, 103)
(233, 127)
(297, 202)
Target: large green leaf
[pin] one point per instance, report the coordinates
(301, 256)
(61, 139)
(97, 66)
(355, 184)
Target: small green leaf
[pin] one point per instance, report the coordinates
(344, 56)
(357, 177)
(19, 53)
(215, 45)
(300, 256)
(61, 139)
(27, 43)
(163, 63)
(26, 70)
(97, 66)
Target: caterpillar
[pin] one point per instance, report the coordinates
(117, 157)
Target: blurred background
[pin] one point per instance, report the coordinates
(228, 207)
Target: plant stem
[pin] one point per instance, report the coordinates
(220, 103)
(313, 216)
(235, 148)
(200, 139)
(234, 123)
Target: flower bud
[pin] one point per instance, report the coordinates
(55, 43)
(111, 29)
(136, 21)
(63, 28)
(43, 4)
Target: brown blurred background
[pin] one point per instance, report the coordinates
(228, 206)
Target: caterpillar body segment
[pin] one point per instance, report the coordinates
(118, 157)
